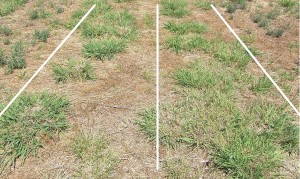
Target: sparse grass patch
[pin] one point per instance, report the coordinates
(76, 70)
(147, 75)
(177, 168)
(262, 86)
(273, 13)
(149, 21)
(16, 59)
(119, 1)
(231, 53)
(103, 49)
(174, 8)
(7, 7)
(263, 23)
(96, 159)
(30, 120)
(41, 35)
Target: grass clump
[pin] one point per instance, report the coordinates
(233, 5)
(186, 27)
(16, 59)
(6, 41)
(60, 10)
(2, 58)
(34, 14)
(119, 1)
(76, 70)
(7, 7)
(204, 5)
(5, 30)
(39, 14)
(103, 49)
(278, 32)
(288, 3)
(30, 120)
(174, 8)
(41, 35)
(96, 160)
(187, 43)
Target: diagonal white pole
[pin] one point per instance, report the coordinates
(256, 61)
(157, 87)
(48, 59)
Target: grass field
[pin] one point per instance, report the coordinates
(90, 113)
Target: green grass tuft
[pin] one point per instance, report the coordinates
(174, 8)
(42, 35)
(186, 27)
(203, 4)
(16, 59)
(31, 119)
(2, 58)
(233, 5)
(288, 3)
(76, 70)
(5, 30)
(103, 49)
